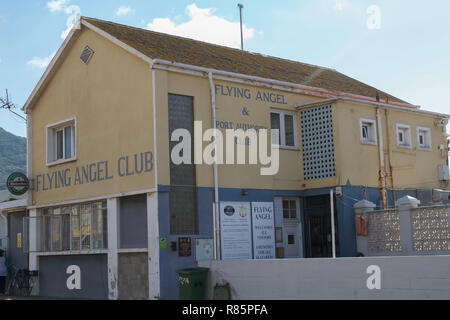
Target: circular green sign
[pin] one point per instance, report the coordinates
(17, 183)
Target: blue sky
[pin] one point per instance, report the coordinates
(398, 46)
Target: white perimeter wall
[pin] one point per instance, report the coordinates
(419, 277)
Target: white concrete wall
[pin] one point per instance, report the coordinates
(418, 277)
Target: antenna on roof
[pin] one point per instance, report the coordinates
(241, 6)
(5, 103)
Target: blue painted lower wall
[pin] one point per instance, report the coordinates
(170, 261)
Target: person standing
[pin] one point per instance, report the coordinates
(3, 271)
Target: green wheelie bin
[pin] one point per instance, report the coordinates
(192, 283)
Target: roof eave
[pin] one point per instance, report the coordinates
(75, 32)
(369, 103)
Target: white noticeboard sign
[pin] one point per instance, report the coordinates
(263, 230)
(235, 230)
(204, 249)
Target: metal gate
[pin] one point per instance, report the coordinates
(318, 227)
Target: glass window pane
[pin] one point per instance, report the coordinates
(97, 225)
(293, 213)
(275, 124)
(365, 132)
(65, 228)
(65, 232)
(105, 229)
(289, 129)
(293, 209)
(85, 226)
(291, 239)
(68, 142)
(285, 204)
(286, 214)
(75, 226)
(47, 232)
(292, 204)
(59, 145)
(56, 233)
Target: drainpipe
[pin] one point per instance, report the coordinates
(391, 170)
(216, 176)
(382, 173)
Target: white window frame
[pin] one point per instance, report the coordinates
(51, 130)
(282, 144)
(297, 209)
(428, 144)
(46, 244)
(373, 139)
(407, 137)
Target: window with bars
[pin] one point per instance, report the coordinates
(76, 227)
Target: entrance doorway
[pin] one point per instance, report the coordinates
(17, 240)
(292, 238)
(318, 227)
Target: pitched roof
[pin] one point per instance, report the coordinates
(157, 45)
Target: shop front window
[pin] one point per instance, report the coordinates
(76, 227)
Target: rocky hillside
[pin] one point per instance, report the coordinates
(13, 155)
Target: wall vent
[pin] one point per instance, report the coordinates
(86, 55)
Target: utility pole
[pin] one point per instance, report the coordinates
(242, 37)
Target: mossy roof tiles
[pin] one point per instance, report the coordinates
(182, 50)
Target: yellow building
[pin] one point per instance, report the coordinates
(109, 199)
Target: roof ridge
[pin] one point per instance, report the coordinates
(212, 44)
(239, 61)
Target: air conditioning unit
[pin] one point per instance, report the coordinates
(440, 195)
(443, 173)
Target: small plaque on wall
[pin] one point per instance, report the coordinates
(204, 249)
(184, 247)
